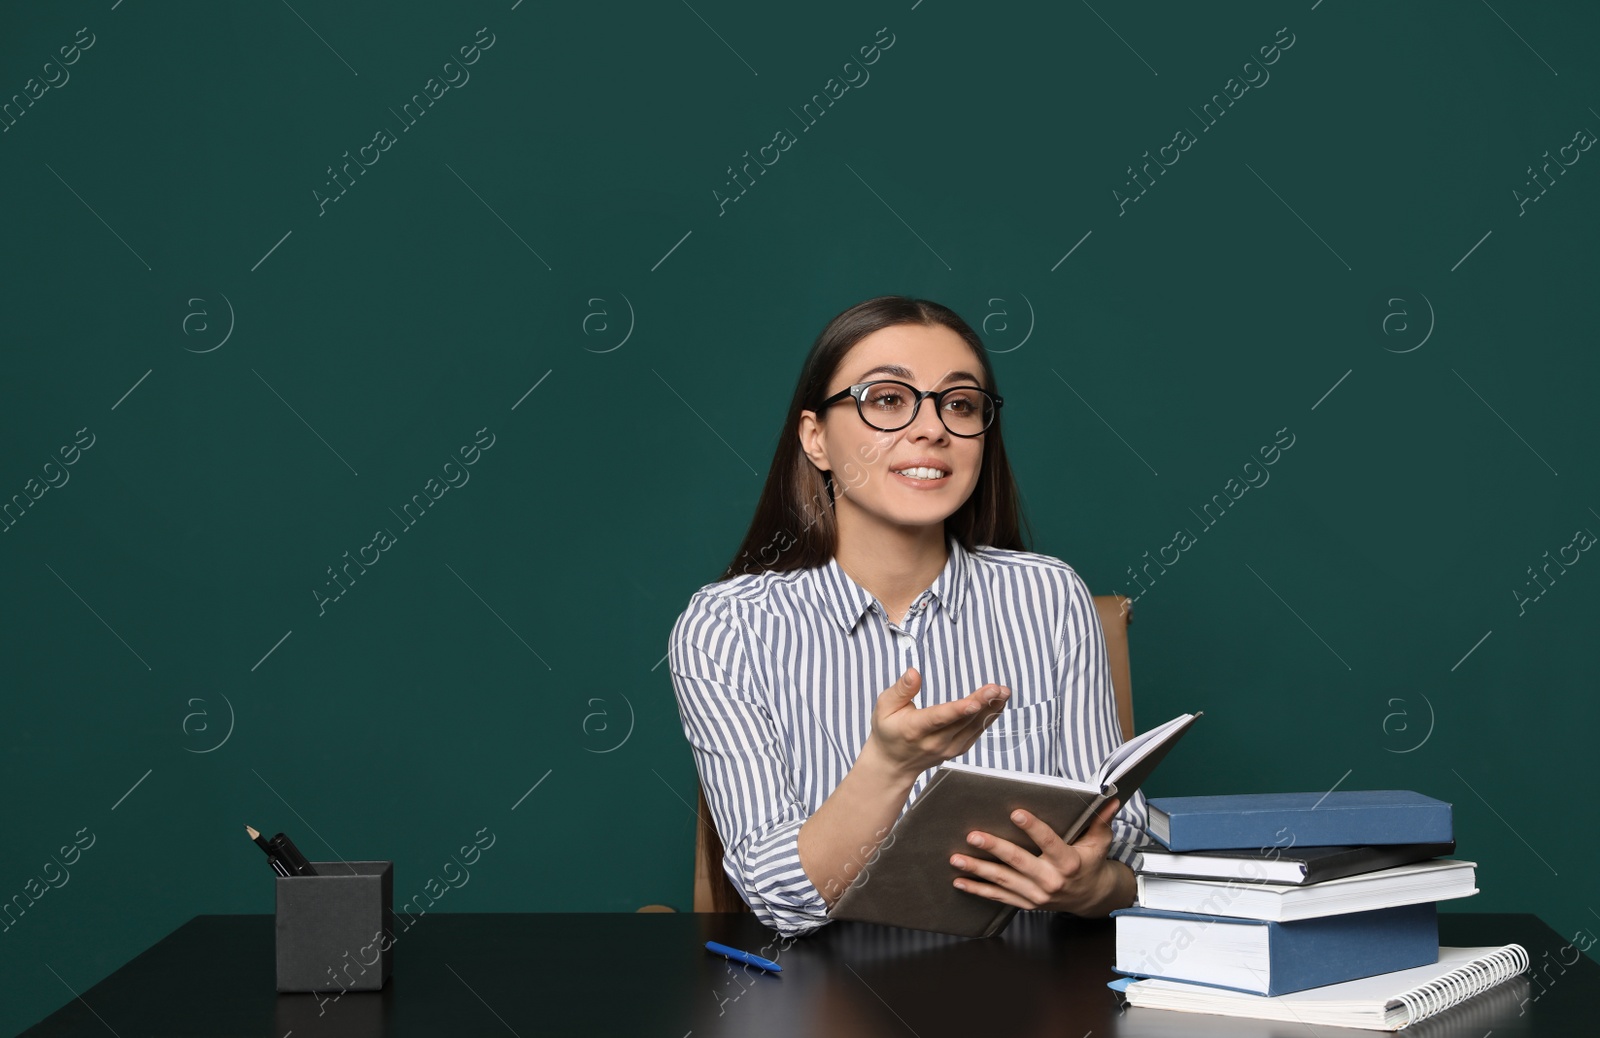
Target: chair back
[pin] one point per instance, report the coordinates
(1116, 613)
(715, 892)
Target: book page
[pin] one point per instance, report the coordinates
(1024, 776)
(1134, 750)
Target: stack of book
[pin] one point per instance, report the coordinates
(1255, 897)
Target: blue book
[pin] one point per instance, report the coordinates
(1284, 820)
(1266, 958)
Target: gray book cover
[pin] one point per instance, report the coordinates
(910, 882)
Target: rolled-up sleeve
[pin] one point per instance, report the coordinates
(743, 764)
(1092, 730)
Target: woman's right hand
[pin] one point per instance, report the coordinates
(911, 740)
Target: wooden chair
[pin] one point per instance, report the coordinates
(714, 892)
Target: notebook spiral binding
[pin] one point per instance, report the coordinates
(1463, 982)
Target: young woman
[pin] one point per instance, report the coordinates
(883, 616)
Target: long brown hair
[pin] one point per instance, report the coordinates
(794, 525)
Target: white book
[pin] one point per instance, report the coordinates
(1386, 1002)
(1438, 880)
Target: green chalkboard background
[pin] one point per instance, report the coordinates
(1342, 253)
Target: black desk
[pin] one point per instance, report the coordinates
(649, 974)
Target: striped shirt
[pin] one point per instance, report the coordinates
(776, 676)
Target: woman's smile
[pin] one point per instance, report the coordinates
(924, 473)
(922, 478)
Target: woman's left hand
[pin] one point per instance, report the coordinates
(1063, 877)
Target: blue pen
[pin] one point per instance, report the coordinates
(743, 956)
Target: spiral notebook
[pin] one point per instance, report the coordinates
(1387, 1002)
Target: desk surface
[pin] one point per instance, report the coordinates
(649, 974)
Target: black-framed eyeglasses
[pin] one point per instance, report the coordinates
(888, 405)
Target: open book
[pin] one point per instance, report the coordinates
(1387, 1002)
(908, 882)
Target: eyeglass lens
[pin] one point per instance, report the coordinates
(888, 406)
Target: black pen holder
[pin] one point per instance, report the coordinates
(335, 930)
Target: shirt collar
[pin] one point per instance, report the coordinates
(846, 600)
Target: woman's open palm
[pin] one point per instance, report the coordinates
(914, 739)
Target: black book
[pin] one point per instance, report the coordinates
(1299, 865)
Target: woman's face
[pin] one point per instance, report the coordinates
(868, 464)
